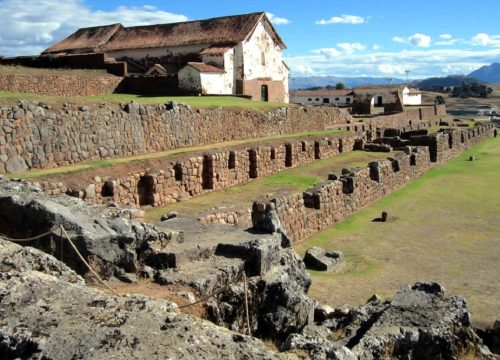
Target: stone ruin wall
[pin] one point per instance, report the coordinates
(331, 201)
(60, 84)
(36, 136)
(171, 179)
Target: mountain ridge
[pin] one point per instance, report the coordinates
(488, 73)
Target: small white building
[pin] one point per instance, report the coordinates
(411, 96)
(385, 94)
(202, 78)
(246, 50)
(322, 97)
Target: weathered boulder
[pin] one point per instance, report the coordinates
(268, 222)
(277, 283)
(108, 243)
(47, 312)
(318, 259)
(317, 348)
(491, 337)
(419, 323)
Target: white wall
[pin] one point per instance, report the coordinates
(285, 84)
(411, 99)
(213, 83)
(260, 42)
(226, 62)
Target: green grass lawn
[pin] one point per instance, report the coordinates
(296, 180)
(97, 164)
(198, 102)
(446, 229)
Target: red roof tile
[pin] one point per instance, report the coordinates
(215, 50)
(205, 68)
(222, 31)
(85, 40)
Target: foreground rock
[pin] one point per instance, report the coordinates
(318, 259)
(419, 323)
(111, 243)
(47, 312)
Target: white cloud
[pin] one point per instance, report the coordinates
(327, 53)
(350, 48)
(345, 48)
(447, 40)
(376, 47)
(421, 62)
(391, 69)
(483, 39)
(344, 19)
(303, 70)
(277, 20)
(419, 40)
(28, 29)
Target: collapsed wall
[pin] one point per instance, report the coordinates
(303, 214)
(37, 135)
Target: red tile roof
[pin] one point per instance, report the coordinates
(216, 50)
(85, 40)
(223, 30)
(205, 68)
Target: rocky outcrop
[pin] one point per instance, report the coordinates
(419, 323)
(278, 282)
(48, 313)
(108, 242)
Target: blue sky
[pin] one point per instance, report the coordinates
(324, 37)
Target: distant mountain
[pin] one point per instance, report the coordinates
(489, 74)
(322, 81)
(452, 80)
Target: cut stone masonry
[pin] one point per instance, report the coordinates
(303, 214)
(37, 135)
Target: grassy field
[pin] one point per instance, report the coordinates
(197, 102)
(97, 164)
(296, 180)
(446, 229)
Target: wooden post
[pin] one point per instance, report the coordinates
(246, 304)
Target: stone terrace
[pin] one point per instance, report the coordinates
(329, 202)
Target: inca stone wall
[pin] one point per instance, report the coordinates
(36, 135)
(59, 84)
(326, 203)
(168, 180)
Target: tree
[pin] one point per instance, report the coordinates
(340, 86)
(439, 100)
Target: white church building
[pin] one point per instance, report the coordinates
(231, 55)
